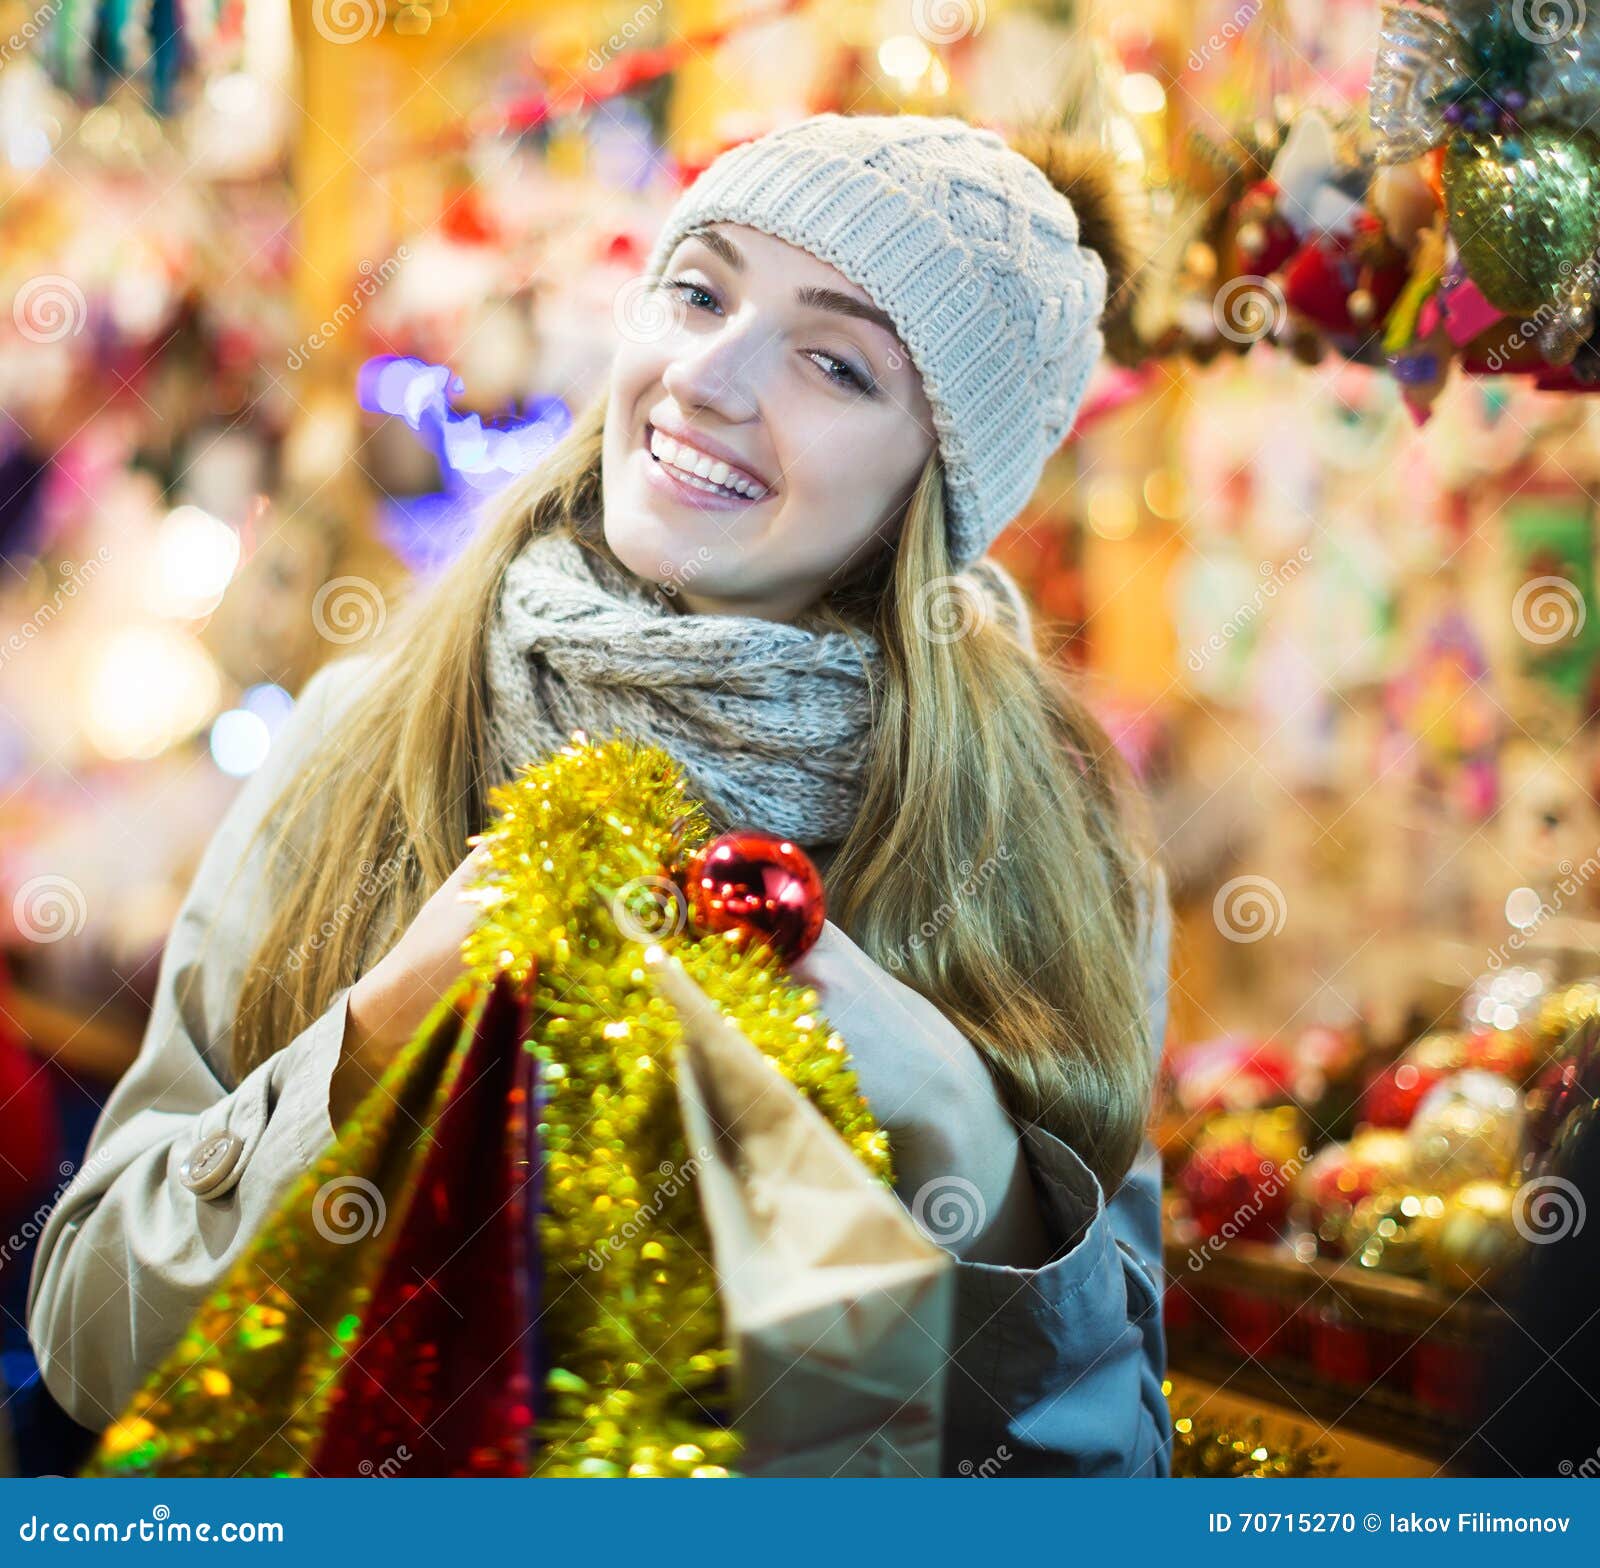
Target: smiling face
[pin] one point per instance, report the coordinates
(762, 444)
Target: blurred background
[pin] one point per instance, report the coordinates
(286, 289)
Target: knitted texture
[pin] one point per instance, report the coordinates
(768, 719)
(969, 250)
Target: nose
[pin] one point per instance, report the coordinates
(718, 372)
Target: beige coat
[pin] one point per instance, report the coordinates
(1056, 1370)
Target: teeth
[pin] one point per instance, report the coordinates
(702, 471)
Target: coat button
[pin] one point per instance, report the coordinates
(210, 1162)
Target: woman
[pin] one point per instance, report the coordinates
(860, 340)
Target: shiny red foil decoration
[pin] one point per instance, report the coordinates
(439, 1381)
(759, 884)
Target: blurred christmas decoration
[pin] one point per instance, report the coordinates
(1387, 1231)
(1454, 222)
(1206, 1446)
(93, 46)
(755, 884)
(551, 1058)
(1392, 1097)
(1475, 1241)
(1466, 1128)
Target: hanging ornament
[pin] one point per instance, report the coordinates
(1525, 213)
(758, 886)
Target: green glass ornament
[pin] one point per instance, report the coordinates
(1524, 211)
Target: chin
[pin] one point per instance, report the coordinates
(651, 548)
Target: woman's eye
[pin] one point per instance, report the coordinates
(840, 371)
(684, 287)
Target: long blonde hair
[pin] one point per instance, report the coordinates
(993, 867)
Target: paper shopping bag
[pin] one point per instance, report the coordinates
(838, 1308)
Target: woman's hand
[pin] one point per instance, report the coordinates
(960, 1164)
(389, 1002)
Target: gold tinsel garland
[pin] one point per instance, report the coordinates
(575, 885)
(575, 882)
(1235, 1449)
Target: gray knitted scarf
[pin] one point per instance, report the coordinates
(769, 720)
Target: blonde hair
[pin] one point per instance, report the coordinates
(992, 866)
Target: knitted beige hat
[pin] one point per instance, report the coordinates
(969, 249)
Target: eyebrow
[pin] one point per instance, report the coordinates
(814, 298)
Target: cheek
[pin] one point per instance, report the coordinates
(849, 482)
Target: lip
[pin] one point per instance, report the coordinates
(710, 448)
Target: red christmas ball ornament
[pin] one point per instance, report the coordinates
(1235, 1191)
(757, 883)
